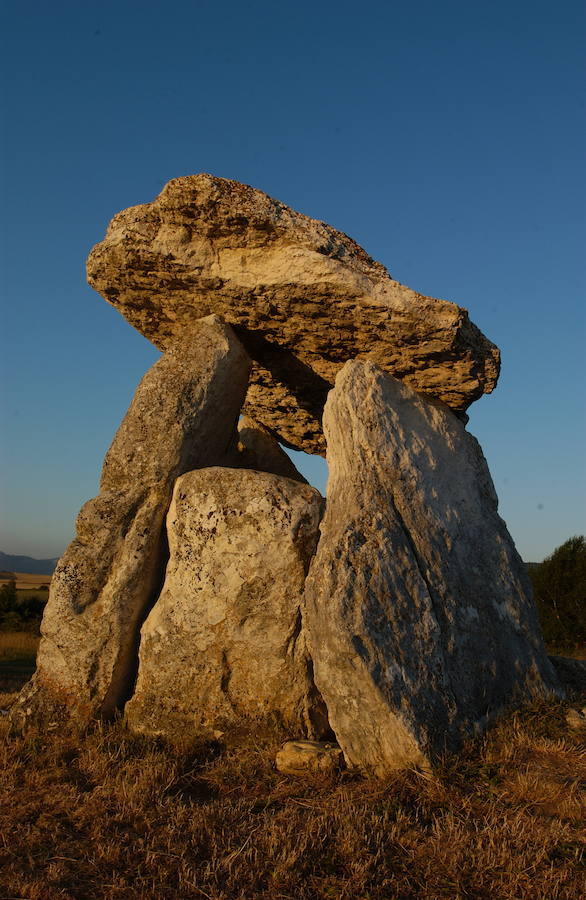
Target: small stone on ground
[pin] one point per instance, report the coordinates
(309, 757)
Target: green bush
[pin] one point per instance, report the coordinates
(20, 613)
(559, 585)
(8, 599)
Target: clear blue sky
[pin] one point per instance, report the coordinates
(447, 138)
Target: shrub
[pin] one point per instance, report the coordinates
(8, 599)
(559, 584)
(20, 613)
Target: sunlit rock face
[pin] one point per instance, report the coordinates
(419, 611)
(225, 643)
(303, 297)
(183, 415)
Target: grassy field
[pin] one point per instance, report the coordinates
(25, 593)
(25, 580)
(103, 814)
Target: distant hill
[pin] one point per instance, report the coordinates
(27, 564)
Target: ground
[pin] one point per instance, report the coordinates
(103, 814)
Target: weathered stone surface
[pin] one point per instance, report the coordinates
(309, 758)
(256, 448)
(419, 609)
(303, 297)
(225, 642)
(183, 415)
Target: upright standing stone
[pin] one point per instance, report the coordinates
(225, 643)
(183, 415)
(419, 609)
(256, 448)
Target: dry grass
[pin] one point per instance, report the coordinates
(16, 645)
(107, 815)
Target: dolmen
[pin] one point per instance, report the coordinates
(209, 588)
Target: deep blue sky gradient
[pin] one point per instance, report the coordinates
(447, 138)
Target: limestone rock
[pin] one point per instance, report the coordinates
(257, 449)
(303, 297)
(183, 415)
(309, 758)
(576, 719)
(419, 609)
(225, 642)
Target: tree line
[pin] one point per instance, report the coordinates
(559, 587)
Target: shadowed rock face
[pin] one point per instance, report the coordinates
(303, 298)
(183, 415)
(419, 610)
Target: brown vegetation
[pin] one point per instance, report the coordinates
(104, 814)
